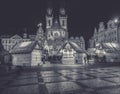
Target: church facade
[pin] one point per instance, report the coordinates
(56, 27)
(57, 31)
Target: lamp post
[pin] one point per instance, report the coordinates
(117, 22)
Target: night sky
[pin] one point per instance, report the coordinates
(83, 15)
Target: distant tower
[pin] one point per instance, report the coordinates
(95, 31)
(63, 18)
(82, 42)
(49, 18)
(101, 27)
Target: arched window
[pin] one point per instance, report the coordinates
(63, 23)
(49, 22)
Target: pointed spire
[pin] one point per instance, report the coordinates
(101, 26)
(63, 8)
(49, 11)
(39, 25)
(95, 31)
(62, 11)
(56, 23)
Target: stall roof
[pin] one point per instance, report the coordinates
(108, 46)
(24, 47)
(75, 46)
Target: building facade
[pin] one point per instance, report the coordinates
(9, 42)
(105, 42)
(105, 34)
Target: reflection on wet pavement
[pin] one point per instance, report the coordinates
(63, 81)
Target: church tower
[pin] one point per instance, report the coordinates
(63, 18)
(49, 18)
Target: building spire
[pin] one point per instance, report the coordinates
(95, 30)
(62, 12)
(49, 12)
(39, 25)
(49, 17)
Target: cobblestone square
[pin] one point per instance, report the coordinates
(66, 80)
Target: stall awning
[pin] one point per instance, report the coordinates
(115, 47)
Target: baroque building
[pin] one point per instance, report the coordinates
(105, 42)
(110, 34)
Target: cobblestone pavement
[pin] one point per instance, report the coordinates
(63, 81)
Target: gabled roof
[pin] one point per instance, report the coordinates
(11, 36)
(25, 47)
(75, 46)
(16, 37)
(56, 24)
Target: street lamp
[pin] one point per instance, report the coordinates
(117, 22)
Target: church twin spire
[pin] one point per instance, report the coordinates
(62, 11)
(50, 19)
